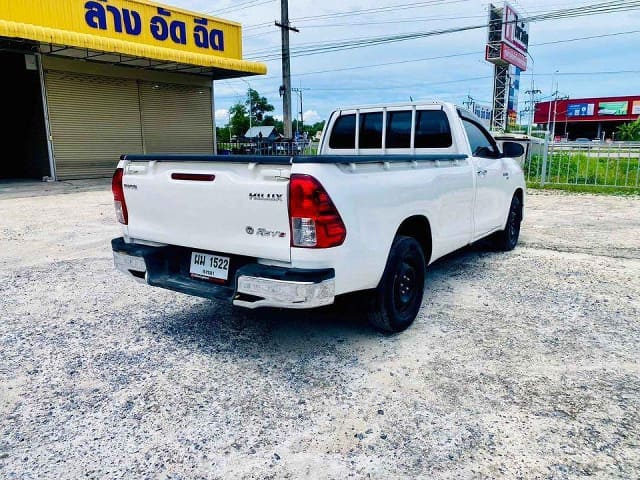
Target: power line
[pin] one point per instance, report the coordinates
(385, 9)
(454, 55)
(336, 25)
(366, 24)
(333, 24)
(573, 74)
(240, 6)
(348, 44)
(391, 87)
(446, 82)
(364, 11)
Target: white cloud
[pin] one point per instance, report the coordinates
(222, 116)
(417, 76)
(311, 116)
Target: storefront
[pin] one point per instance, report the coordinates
(90, 80)
(587, 118)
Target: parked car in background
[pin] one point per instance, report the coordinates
(582, 143)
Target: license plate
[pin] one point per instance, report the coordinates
(207, 267)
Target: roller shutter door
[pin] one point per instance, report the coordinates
(93, 121)
(176, 118)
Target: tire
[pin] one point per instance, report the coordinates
(507, 239)
(394, 305)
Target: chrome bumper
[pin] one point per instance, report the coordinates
(269, 292)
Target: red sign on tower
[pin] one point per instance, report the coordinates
(508, 37)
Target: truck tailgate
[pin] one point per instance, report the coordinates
(235, 208)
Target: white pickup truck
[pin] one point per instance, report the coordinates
(393, 188)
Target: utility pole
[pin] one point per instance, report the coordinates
(522, 113)
(532, 105)
(554, 90)
(250, 101)
(555, 109)
(548, 133)
(299, 91)
(469, 103)
(286, 66)
(555, 113)
(566, 113)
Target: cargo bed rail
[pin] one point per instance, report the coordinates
(298, 159)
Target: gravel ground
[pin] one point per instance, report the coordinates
(520, 365)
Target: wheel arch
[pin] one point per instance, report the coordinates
(418, 227)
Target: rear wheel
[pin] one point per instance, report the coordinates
(507, 239)
(395, 303)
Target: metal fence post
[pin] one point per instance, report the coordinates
(545, 154)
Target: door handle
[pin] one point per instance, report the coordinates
(482, 173)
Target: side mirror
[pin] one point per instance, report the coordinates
(512, 149)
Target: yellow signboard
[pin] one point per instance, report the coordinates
(130, 21)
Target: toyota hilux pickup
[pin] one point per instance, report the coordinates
(392, 189)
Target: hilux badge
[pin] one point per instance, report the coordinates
(269, 197)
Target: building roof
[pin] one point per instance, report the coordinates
(254, 132)
(134, 33)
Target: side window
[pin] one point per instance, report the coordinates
(432, 129)
(398, 129)
(371, 130)
(481, 145)
(343, 134)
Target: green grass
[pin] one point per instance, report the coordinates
(578, 172)
(598, 190)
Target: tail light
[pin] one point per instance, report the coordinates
(315, 221)
(118, 197)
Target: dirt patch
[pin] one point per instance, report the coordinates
(520, 365)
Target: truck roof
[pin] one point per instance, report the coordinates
(396, 104)
(466, 111)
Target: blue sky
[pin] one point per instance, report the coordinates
(580, 64)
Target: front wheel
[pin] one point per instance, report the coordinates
(394, 305)
(507, 239)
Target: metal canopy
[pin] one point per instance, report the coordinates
(89, 47)
(64, 51)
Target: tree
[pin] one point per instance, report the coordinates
(270, 121)
(258, 105)
(629, 132)
(222, 134)
(239, 119)
(309, 129)
(313, 129)
(240, 113)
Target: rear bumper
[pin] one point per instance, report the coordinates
(250, 285)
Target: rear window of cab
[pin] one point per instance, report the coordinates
(432, 130)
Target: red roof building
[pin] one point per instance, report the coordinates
(593, 118)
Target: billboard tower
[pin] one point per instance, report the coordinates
(507, 45)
